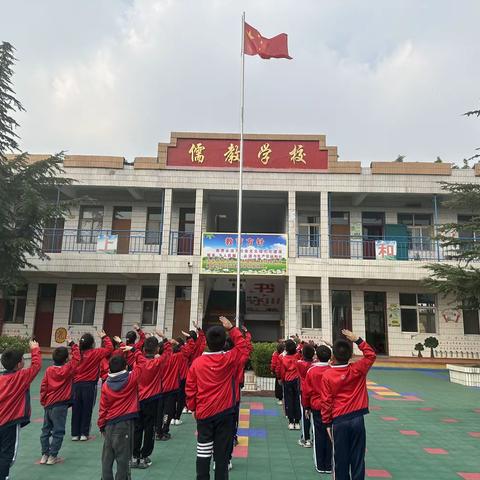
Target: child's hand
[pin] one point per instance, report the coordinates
(185, 334)
(244, 328)
(329, 431)
(173, 341)
(196, 325)
(117, 339)
(101, 333)
(147, 335)
(126, 348)
(33, 344)
(227, 324)
(136, 326)
(350, 335)
(160, 333)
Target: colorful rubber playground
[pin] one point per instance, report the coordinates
(421, 427)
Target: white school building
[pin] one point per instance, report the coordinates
(326, 244)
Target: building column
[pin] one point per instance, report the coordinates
(167, 216)
(291, 224)
(162, 301)
(324, 225)
(291, 317)
(326, 309)
(194, 298)
(197, 236)
(31, 308)
(100, 306)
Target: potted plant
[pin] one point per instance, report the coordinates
(419, 348)
(431, 343)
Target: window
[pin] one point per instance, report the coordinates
(15, 305)
(154, 226)
(467, 233)
(90, 224)
(82, 310)
(419, 226)
(309, 229)
(471, 323)
(311, 308)
(339, 218)
(418, 312)
(149, 305)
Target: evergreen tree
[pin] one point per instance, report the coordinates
(28, 189)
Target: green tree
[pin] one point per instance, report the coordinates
(431, 343)
(27, 189)
(400, 158)
(419, 348)
(438, 160)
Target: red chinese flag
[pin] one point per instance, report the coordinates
(255, 44)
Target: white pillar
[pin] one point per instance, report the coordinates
(167, 215)
(326, 309)
(194, 298)
(291, 317)
(162, 301)
(291, 224)
(100, 306)
(324, 226)
(197, 236)
(31, 308)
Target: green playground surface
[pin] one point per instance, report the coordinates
(420, 427)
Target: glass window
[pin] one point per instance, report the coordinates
(154, 226)
(311, 308)
(418, 312)
(82, 309)
(15, 306)
(308, 229)
(339, 218)
(90, 224)
(419, 226)
(149, 305)
(122, 213)
(471, 323)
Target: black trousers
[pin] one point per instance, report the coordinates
(9, 437)
(144, 430)
(292, 401)
(84, 395)
(214, 437)
(322, 445)
(117, 447)
(305, 423)
(180, 400)
(165, 412)
(278, 390)
(349, 443)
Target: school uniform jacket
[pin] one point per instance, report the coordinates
(194, 348)
(344, 388)
(88, 369)
(105, 363)
(274, 362)
(311, 391)
(183, 369)
(211, 384)
(171, 374)
(15, 405)
(56, 386)
(302, 369)
(287, 367)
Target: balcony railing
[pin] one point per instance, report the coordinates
(102, 241)
(308, 245)
(397, 248)
(181, 243)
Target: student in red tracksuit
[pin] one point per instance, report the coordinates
(104, 368)
(308, 352)
(119, 407)
(287, 368)
(344, 402)
(311, 396)
(166, 403)
(56, 398)
(273, 368)
(211, 396)
(149, 392)
(182, 374)
(196, 343)
(15, 406)
(85, 383)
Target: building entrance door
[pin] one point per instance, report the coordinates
(181, 312)
(341, 312)
(42, 330)
(113, 318)
(372, 229)
(375, 321)
(121, 223)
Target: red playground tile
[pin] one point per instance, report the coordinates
(425, 409)
(37, 420)
(256, 405)
(476, 410)
(378, 473)
(240, 451)
(375, 408)
(436, 451)
(411, 433)
(450, 420)
(469, 476)
(389, 419)
(474, 434)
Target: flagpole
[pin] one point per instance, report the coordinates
(240, 173)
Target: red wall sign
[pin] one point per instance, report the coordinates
(258, 154)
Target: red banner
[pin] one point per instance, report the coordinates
(258, 154)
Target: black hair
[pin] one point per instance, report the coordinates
(86, 342)
(115, 343)
(308, 352)
(60, 355)
(280, 347)
(117, 363)
(150, 347)
(11, 358)
(176, 348)
(323, 353)
(193, 335)
(290, 347)
(228, 344)
(161, 347)
(180, 341)
(342, 351)
(216, 337)
(131, 337)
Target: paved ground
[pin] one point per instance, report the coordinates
(421, 427)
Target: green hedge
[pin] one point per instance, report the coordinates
(261, 358)
(22, 343)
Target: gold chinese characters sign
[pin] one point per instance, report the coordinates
(258, 154)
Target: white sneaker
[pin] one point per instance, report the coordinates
(297, 426)
(178, 422)
(230, 466)
(185, 410)
(301, 442)
(83, 438)
(279, 402)
(75, 439)
(44, 459)
(291, 426)
(52, 460)
(307, 444)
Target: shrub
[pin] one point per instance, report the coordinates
(261, 357)
(14, 342)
